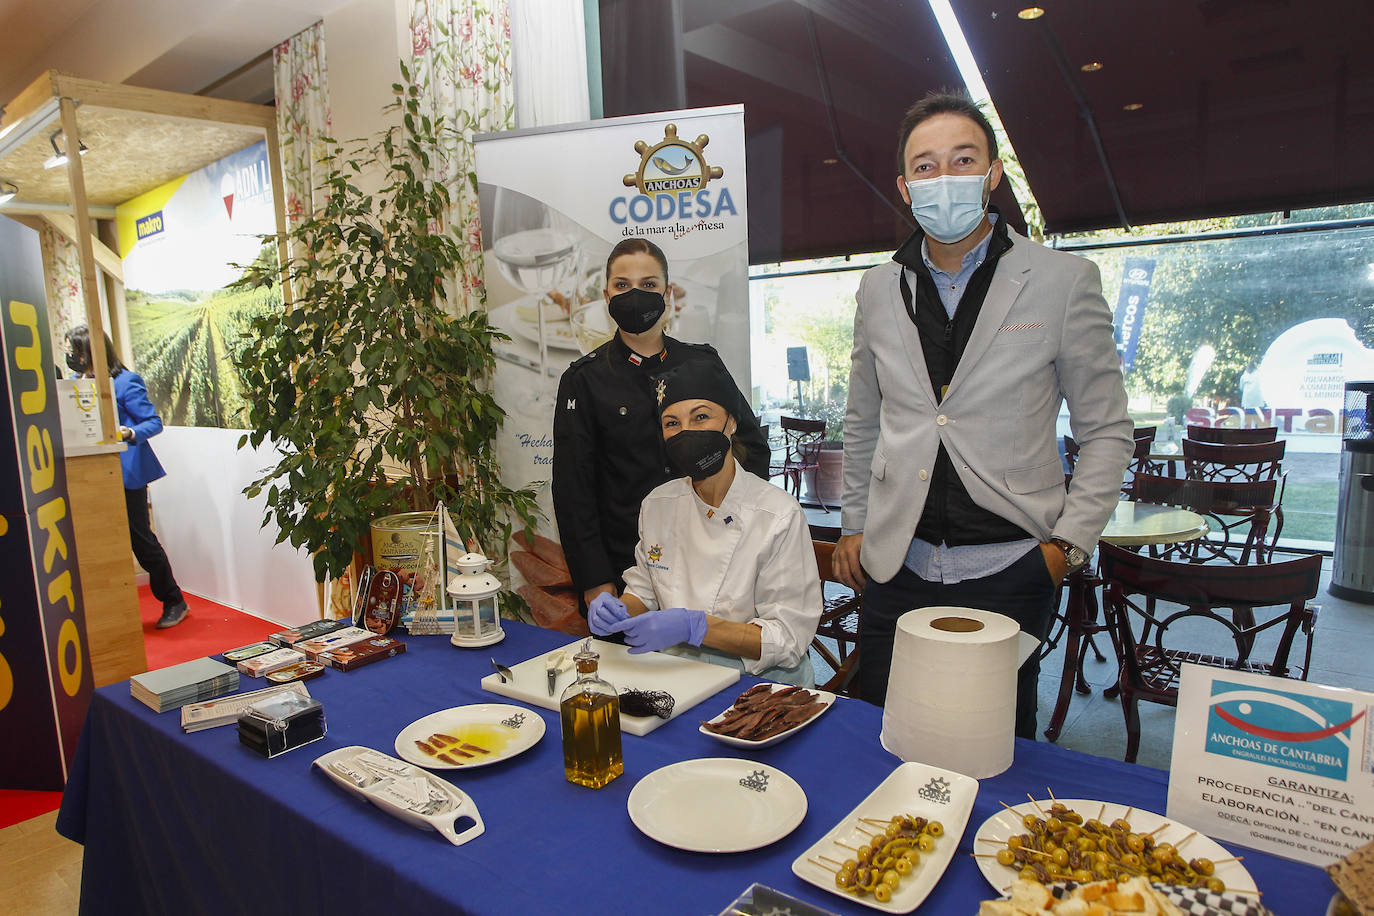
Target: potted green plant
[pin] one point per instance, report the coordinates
(375, 383)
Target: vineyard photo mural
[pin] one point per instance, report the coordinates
(180, 243)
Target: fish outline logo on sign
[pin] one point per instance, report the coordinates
(672, 165)
(1279, 728)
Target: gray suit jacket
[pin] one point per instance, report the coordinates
(1044, 332)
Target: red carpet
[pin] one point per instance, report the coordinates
(209, 629)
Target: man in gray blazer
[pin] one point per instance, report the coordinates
(963, 347)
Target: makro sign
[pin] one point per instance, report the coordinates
(146, 227)
(1294, 731)
(45, 672)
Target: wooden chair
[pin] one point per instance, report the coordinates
(801, 446)
(1227, 463)
(1150, 663)
(840, 622)
(1238, 512)
(1227, 435)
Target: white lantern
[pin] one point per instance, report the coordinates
(476, 619)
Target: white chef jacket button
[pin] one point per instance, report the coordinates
(941, 420)
(922, 474)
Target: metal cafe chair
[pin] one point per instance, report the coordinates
(1158, 612)
(840, 622)
(801, 447)
(1239, 514)
(1227, 435)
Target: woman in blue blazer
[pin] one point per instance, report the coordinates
(138, 422)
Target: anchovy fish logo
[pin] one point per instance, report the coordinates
(672, 165)
(668, 168)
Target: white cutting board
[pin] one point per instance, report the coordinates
(688, 681)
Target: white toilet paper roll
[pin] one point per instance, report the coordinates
(951, 691)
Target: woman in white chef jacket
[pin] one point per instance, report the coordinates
(724, 569)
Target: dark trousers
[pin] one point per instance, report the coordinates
(1022, 591)
(148, 551)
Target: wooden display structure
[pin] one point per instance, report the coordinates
(147, 137)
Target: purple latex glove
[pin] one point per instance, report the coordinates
(604, 612)
(654, 630)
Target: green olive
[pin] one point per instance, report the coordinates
(882, 893)
(935, 828)
(1006, 857)
(925, 842)
(903, 864)
(1203, 867)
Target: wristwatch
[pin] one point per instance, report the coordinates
(1074, 555)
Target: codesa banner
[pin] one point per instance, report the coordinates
(555, 201)
(1279, 765)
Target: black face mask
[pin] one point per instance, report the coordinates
(75, 362)
(637, 310)
(697, 453)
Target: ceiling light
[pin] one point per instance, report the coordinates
(1133, 106)
(1030, 12)
(1091, 67)
(831, 161)
(58, 157)
(7, 191)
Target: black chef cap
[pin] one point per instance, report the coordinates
(704, 379)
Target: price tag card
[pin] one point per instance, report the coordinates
(1279, 765)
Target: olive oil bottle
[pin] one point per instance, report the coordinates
(590, 713)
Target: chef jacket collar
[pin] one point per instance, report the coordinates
(727, 515)
(623, 352)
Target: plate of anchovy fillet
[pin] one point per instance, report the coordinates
(767, 713)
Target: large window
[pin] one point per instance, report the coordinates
(1221, 321)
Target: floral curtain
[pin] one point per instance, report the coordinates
(62, 273)
(303, 119)
(460, 57)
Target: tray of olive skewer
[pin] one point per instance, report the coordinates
(890, 851)
(1081, 841)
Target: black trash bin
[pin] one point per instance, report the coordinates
(1352, 568)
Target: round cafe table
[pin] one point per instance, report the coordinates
(1136, 524)
(1132, 524)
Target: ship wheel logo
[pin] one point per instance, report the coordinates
(673, 165)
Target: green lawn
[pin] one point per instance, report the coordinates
(1309, 511)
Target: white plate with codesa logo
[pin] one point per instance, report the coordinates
(912, 789)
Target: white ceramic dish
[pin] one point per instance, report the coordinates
(405, 792)
(717, 804)
(520, 319)
(1008, 821)
(828, 699)
(504, 730)
(912, 789)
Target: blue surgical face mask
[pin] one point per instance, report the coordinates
(949, 207)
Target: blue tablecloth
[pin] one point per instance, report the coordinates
(175, 823)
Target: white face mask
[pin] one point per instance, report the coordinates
(949, 207)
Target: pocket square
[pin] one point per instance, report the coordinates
(1023, 326)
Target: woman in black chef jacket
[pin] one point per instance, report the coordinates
(607, 445)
